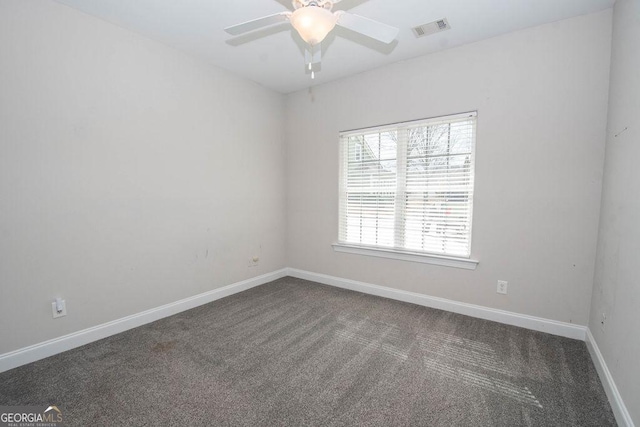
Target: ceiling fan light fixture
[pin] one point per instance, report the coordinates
(313, 23)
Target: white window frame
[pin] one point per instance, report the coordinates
(397, 252)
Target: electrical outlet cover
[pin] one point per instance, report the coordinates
(55, 312)
(502, 287)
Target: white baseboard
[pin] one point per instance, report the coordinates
(76, 339)
(623, 418)
(554, 327)
(58, 345)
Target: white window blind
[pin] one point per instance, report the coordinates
(409, 186)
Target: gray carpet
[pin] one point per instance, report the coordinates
(297, 353)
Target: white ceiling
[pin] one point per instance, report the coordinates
(274, 57)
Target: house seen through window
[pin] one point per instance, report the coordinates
(409, 186)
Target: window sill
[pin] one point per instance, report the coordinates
(465, 263)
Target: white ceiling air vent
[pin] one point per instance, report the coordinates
(431, 27)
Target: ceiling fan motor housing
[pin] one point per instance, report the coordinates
(326, 4)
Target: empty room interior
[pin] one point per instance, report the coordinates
(327, 213)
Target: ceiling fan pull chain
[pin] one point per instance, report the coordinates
(313, 61)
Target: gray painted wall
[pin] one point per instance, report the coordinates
(131, 174)
(616, 291)
(541, 96)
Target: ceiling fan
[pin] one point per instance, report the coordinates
(313, 20)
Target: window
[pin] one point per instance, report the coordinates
(409, 186)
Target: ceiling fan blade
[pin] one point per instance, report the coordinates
(370, 28)
(255, 24)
